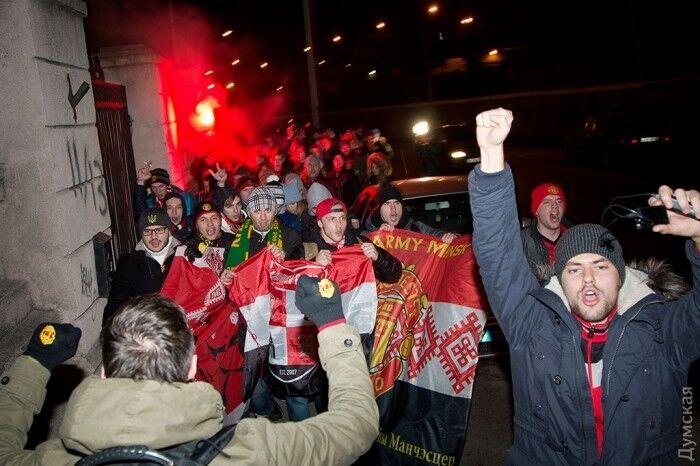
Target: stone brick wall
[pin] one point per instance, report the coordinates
(52, 194)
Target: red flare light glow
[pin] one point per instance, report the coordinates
(201, 125)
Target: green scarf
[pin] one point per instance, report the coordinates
(241, 243)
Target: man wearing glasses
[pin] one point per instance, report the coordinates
(143, 270)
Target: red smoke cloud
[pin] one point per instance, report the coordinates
(189, 46)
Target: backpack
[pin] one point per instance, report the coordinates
(193, 453)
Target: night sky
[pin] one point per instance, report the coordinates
(417, 56)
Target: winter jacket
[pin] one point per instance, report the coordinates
(291, 243)
(387, 268)
(184, 231)
(137, 274)
(650, 344)
(534, 248)
(291, 220)
(103, 413)
(144, 200)
(223, 241)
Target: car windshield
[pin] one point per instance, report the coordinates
(448, 212)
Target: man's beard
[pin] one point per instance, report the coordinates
(593, 316)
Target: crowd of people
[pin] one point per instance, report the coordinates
(295, 204)
(599, 359)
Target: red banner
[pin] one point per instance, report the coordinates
(425, 353)
(216, 323)
(264, 291)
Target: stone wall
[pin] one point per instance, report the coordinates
(53, 197)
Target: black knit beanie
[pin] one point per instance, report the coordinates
(388, 192)
(588, 238)
(159, 175)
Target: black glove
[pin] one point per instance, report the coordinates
(192, 253)
(53, 344)
(319, 300)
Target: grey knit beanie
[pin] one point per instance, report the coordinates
(588, 238)
(317, 193)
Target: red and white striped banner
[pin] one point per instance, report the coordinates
(264, 291)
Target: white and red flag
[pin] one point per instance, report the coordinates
(215, 321)
(264, 291)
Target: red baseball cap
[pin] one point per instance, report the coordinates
(328, 206)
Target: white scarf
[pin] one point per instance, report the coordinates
(162, 254)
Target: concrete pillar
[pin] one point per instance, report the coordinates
(136, 68)
(52, 193)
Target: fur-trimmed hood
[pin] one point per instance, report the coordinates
(643, 277)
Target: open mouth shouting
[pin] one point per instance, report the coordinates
(590, 296)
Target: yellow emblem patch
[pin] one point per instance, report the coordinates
(151, 218)
(206, 207)
(326, 288)
(553, 190)
(47, 335)
(202, 247)
(153, 179)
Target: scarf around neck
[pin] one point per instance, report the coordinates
(241, 243)
(229, 226)
(161, 255)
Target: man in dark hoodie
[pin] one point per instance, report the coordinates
(390, 214)
(333, 234)
(143, 270)
(181, 226)
(158, 181)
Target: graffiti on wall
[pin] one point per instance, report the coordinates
(75, 98)
(83, 170)
(86, 281)
(2, 182)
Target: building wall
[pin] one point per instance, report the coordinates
(53, 195)
(136, 68)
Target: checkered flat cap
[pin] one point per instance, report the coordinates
(261, 198)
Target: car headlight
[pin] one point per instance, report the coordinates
(421, 128)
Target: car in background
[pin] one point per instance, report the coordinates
(454, 144)
(460, 146)
(628, 139)
(441, 202)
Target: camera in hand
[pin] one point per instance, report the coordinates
(649, 216)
